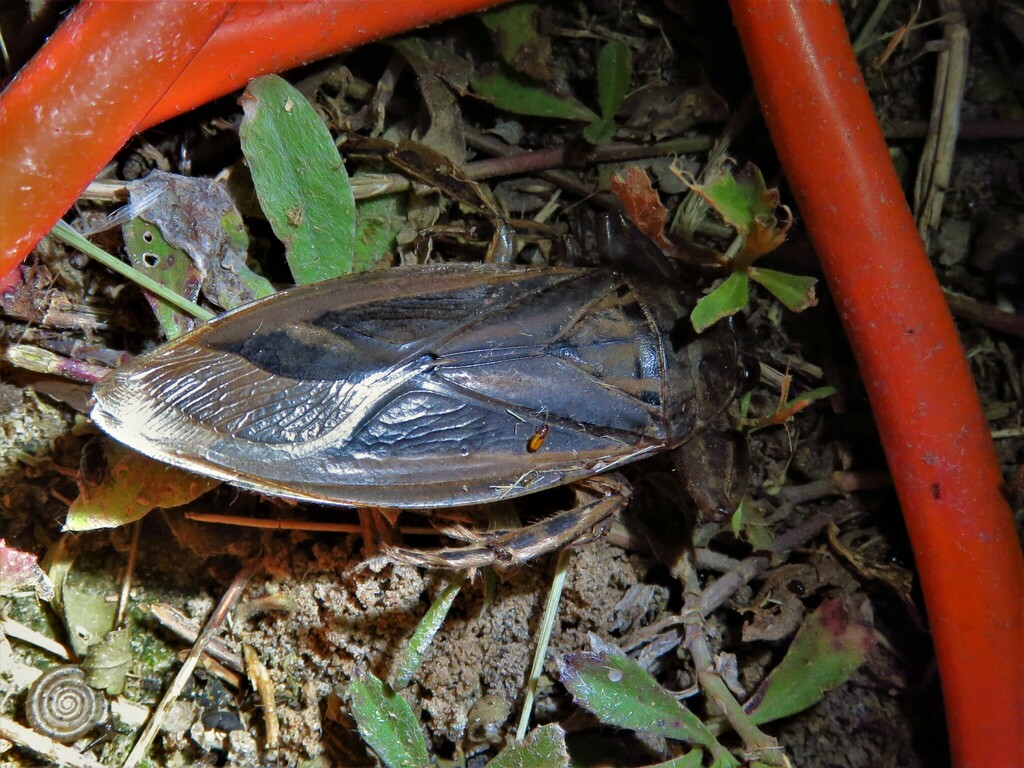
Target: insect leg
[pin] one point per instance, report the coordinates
(599, 498)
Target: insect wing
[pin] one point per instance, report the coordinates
(410, 387)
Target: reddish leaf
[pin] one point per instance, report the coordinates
(641, 203)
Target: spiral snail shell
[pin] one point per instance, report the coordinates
(63, 706)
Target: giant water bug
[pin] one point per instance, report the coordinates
(426, 386)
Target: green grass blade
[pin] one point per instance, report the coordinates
(421, 639)
(66, 234)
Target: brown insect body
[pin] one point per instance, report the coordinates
(404, 387)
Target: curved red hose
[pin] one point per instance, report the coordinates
(79, 99)
(935, 435)
(114, 68)
(271, 36)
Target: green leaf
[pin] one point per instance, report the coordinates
(198, 216)
(818, 393)
(750, 523)
(421, 639)
(300, 180)
(63, 232)
(825, 652)
(151, 254)
(739, 196)
(795, 291)
(621, 693)
(745, 203)
(726, 299)
(379, 220)
(87, 612)
(513, 93)
(106, 666)
(517, 40)
(387, 723)
(600, 132)
(132, 485)
(544, 747)
(614, 71)
(692, 759)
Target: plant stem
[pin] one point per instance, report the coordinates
(546, 624)
(66, 234)
(757, 742)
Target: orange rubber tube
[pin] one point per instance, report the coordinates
(79, 99)
(114, 68)
(271, 36)
(935, 435)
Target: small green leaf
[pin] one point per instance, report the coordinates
(65, 233)
(519, 44)
(198, 216)
(621, 693)
(825, 652)
(749, 522)
(725, 300)
(300, 180)
(818, 393)
(739, 196)
(692, 759)
(513, 93)
(600, 132)
(421, 639)
(745, 203)
(132, 486)
(387, 723)
(87, 613)
(795, 291)
(544, 747)
(614, 71)
(379, 220)
(151, 254)
(106, 666)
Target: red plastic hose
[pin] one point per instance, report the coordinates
(935, 435)
(262, 37)
(79, 99)
(105, 74)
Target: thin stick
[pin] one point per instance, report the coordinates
(546, 625)
(18, 631)
(45, 746)
(760, 745)
(227, 602)
(68, 235)
(126, 583)
(294, 525)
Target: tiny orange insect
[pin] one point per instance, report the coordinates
(537, 438)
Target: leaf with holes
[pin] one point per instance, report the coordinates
(150, 253)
